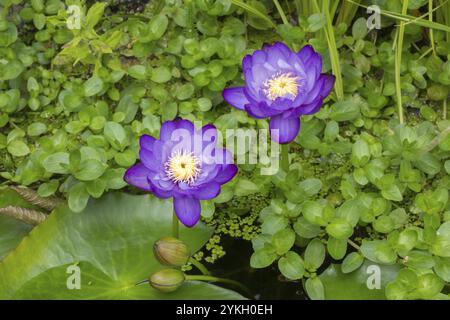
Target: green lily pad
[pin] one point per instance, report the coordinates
(111, 243)
(354, 285)
(94, 284)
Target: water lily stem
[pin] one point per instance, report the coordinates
(216, 279)
(175, 226)
(285, 157)
(199, 266)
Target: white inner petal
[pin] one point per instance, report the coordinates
(183, 166)
(282, 85)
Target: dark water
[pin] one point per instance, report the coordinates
(263, 283)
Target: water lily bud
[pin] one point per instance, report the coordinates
(171, 251)
(167, 280)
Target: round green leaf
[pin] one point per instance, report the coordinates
(18, 148)
(352, 262)
(291, 266)
(339, 229)
(314, 254)
(90, 169)
(57, 163)
(337, 247)
(379, 251)
(161, 74)
(262, 258)
(36, 129)
(78, 197)
(283, 240)
(306, 229)
(314, 288)
(93, 86)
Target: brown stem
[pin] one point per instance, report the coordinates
(32, 197)
(26, 215)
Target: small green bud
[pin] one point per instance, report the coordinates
(167, 280)
(171, 251)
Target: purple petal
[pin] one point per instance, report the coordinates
(305, 53)
(251, 62)
(312, 62)
(207, 174)
(311, 108)
(209, 133)
(247, 63)
(162, 151)
(327, 85)
(282, 104)
(187, 210)
(137, 177)
(261, 110)
(146, 142)
(207, 192)
(161, 182)
(313, 68)
(258, 57)
(162, 194)
(278, 47)
(315, 92)
(278, 61)
(227, 173)
(236, 97)
(185, 124)
(149, 160)
(287, 129)
(177, 131)
(166, 130)
(258, 74)
(315, 62)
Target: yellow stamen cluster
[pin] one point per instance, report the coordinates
(282, 85)
(182, 167)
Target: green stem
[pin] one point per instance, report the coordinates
(444, 109)
(398, 62)
(216, 279)
(334, 54)
(425, 54)
(175, 226)
(281, 12)
(199, 266)
(430, 18)
(285, 157)
(354, 245)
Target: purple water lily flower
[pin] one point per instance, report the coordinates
(281, 85)
(186, 164)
